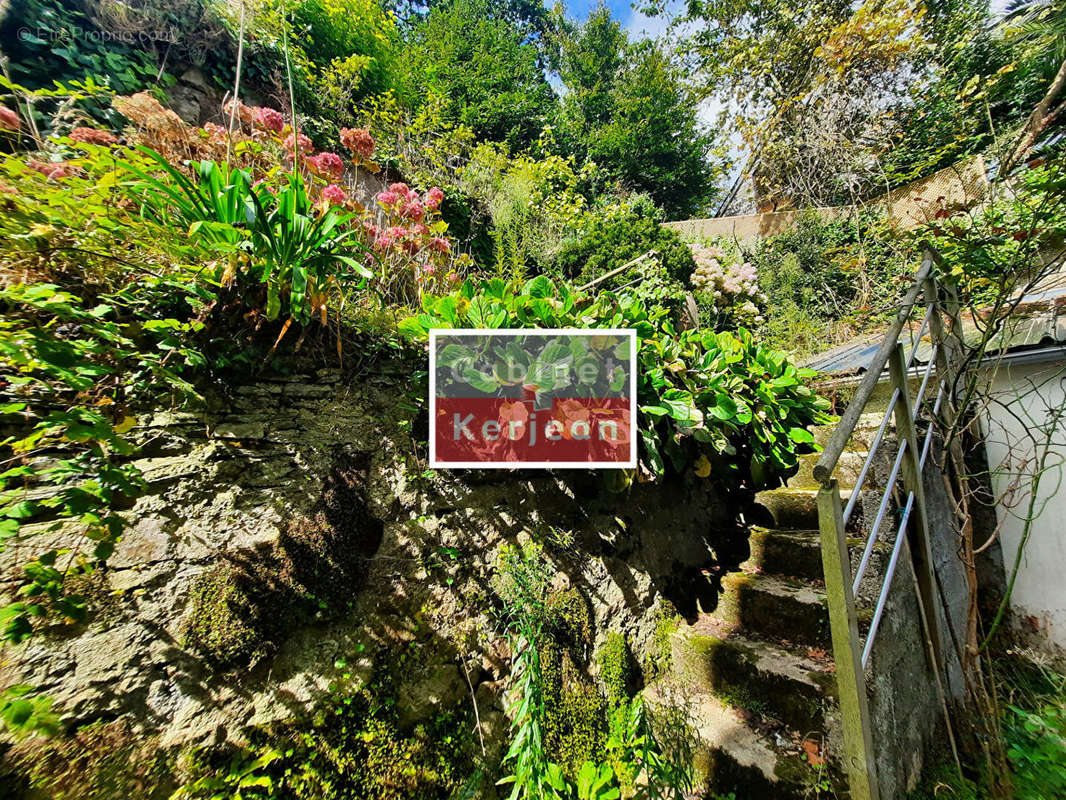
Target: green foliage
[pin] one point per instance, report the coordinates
(245, 778)
(826, 280)
(472, 53)
(563, 747)
(26, 714)
(533, 202)
(614, 235)
(49, 40)
(628, 109)
(352, 748)
(89, 480)
(1036, 747)
(294, 252)
(98, 761)
(701, 395)
(1021, 230)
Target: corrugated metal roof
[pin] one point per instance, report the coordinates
(1039, 320)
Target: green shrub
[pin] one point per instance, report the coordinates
(50, 40)
(719, 403)
(827, 280)
(618, 233)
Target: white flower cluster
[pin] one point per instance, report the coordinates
(733, 287)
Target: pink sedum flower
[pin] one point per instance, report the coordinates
(358, 141)
(401, 190)
(93, 136)
(440, 244)
(429, 269)
(434, 197)
(304, 143)
(335, 194)
(53, 170)
(413, 210)
(387, 198)
(9, 120)
(420, 229)
(383, 242)
(328, 164)
(269, 119)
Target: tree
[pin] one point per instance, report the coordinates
(472, 53)
(627, 109)
(816, 86)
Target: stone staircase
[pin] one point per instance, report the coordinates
(755, 676)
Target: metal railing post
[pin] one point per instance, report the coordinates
(918, 527)
(851, 682)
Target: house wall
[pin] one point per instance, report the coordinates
(1025, 420)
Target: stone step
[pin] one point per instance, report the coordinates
(847, 470)
(774, 607)
(734, 754)
(759, 676)
(865, 430)
(793, 509)
(796, 554)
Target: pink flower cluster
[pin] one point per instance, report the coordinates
(335, 194)
(53, 170)
(732, 287)
(9, 120)
(401, 199)
(302, 141)
(328, 165)
(359, 142)
(269, 119)
(93, 136)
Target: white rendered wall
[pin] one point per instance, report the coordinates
(1019, 424)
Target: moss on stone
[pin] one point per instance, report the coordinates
(658, 659)
(223, 623)
(99, 761)
(354, 748)
(615, 673)
(574, 724)
(240, 610)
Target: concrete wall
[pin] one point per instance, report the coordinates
(1023, 419)
(906, 207)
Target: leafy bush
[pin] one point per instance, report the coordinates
(50, 40)
(826, 280)
(617, 233)
(702, 395)
(473, 55)
(533, 200)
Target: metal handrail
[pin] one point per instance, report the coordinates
(851, 651)
(823, 470)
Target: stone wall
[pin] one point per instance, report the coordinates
(291, 527)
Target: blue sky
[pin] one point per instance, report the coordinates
(637, 24)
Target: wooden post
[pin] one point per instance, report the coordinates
(851, 682)
(918, 525)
